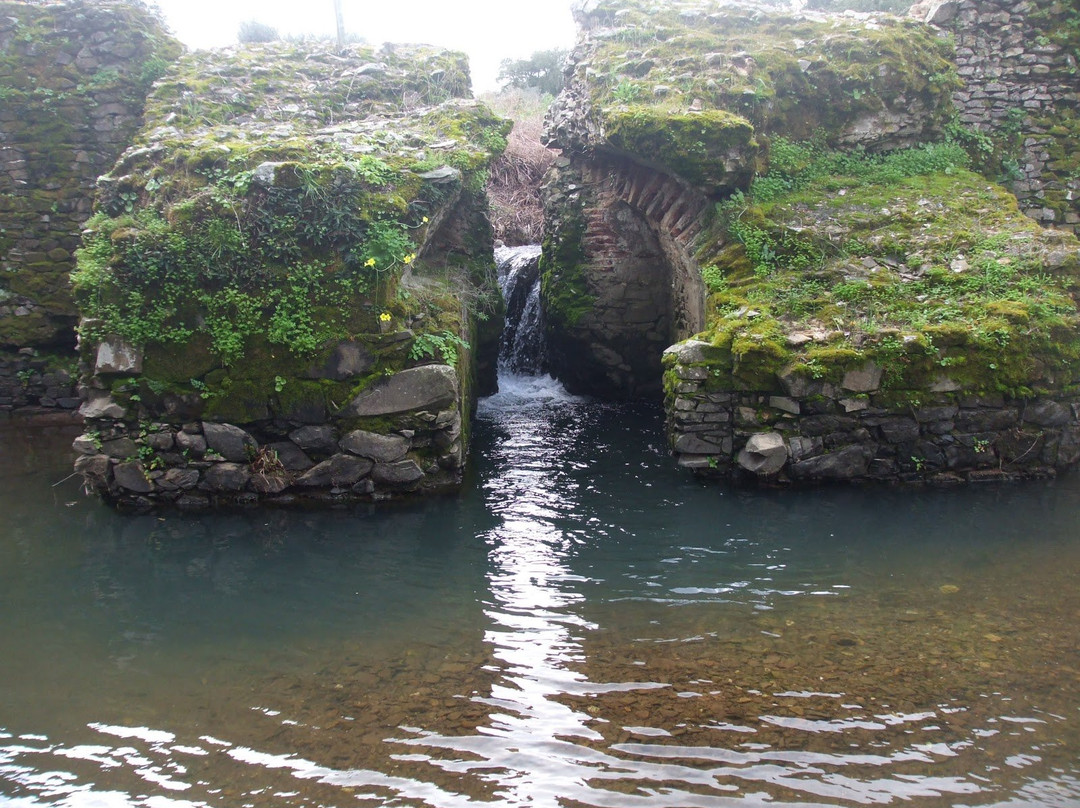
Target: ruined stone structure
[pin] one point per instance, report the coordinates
(73, 81)
(854, 317)
(288, 291)
(1020, 62)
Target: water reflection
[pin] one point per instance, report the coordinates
(583, 628)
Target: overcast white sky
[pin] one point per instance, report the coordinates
(488, 30)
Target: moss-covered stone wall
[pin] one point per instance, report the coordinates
(73, 81)
(868, 306)
(297, 244)
(1020, 67)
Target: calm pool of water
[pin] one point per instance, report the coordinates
(581, 627)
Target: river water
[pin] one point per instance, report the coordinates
(582, 626)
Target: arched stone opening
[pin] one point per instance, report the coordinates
(621, 283)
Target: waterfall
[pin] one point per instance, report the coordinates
(523, 350)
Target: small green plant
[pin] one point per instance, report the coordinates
(626, 92)
(24, 376)
(279, 383)
(445, 344)
(919, 462)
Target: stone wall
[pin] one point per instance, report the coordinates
(32, 382)
(1020, 64)
(288, 289)
(813, 431)
(73, 80)
(667, 109)
(197, 464)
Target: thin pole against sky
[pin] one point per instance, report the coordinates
(340, 25)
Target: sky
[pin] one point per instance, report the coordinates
(488, 30)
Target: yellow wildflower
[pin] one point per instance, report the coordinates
(408, 259)
(426, 220)
(385, 317)
(370, 262)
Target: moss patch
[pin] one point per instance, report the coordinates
(931, 275)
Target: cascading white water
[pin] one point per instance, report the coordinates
(523, 350)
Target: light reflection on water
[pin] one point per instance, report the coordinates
(582, 627)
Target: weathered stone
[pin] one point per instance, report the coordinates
(95, 469)
(291, 456)
(987, 420)
(349, 359)
(179, 479)
(785, 404)
(866, 379)
(854, 404)
(442, 175)
(1047, 413)
(693, 443)
(120, 448)
(690, 352)
(846, 464)
(339, 471)
(118, 357)
(798, 385)
(231, 442)
(944, 413)
(899, 429)
(99, 404)
(85, 445)
(160, 441)
(268, 484)
(428, 387)
(765, 454)
(193, 444)
(943, 384)
(225, 477)
(380, 448)
(132, 477)
(319, 440)
(401, 473)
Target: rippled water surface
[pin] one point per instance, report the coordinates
(581, 627)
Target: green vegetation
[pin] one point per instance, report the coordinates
(240, 246)
(542, 71)
(907, 259)
(782, 73)
(61, 79)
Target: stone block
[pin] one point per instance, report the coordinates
(429, 387)
(380, 448)
(764, 454)
(231, 442)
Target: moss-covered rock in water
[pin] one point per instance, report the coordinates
(73, 80)
(293, 227)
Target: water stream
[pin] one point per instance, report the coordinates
(582, 626)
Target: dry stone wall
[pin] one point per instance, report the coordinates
(288, 289)
(813, 431)
(863, 306)
(73, 81)
(1020, 65)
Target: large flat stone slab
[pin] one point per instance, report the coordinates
(430, 387)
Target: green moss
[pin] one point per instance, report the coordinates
(927, 270)
(563, 265)
(693, 145)
(784, 74)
